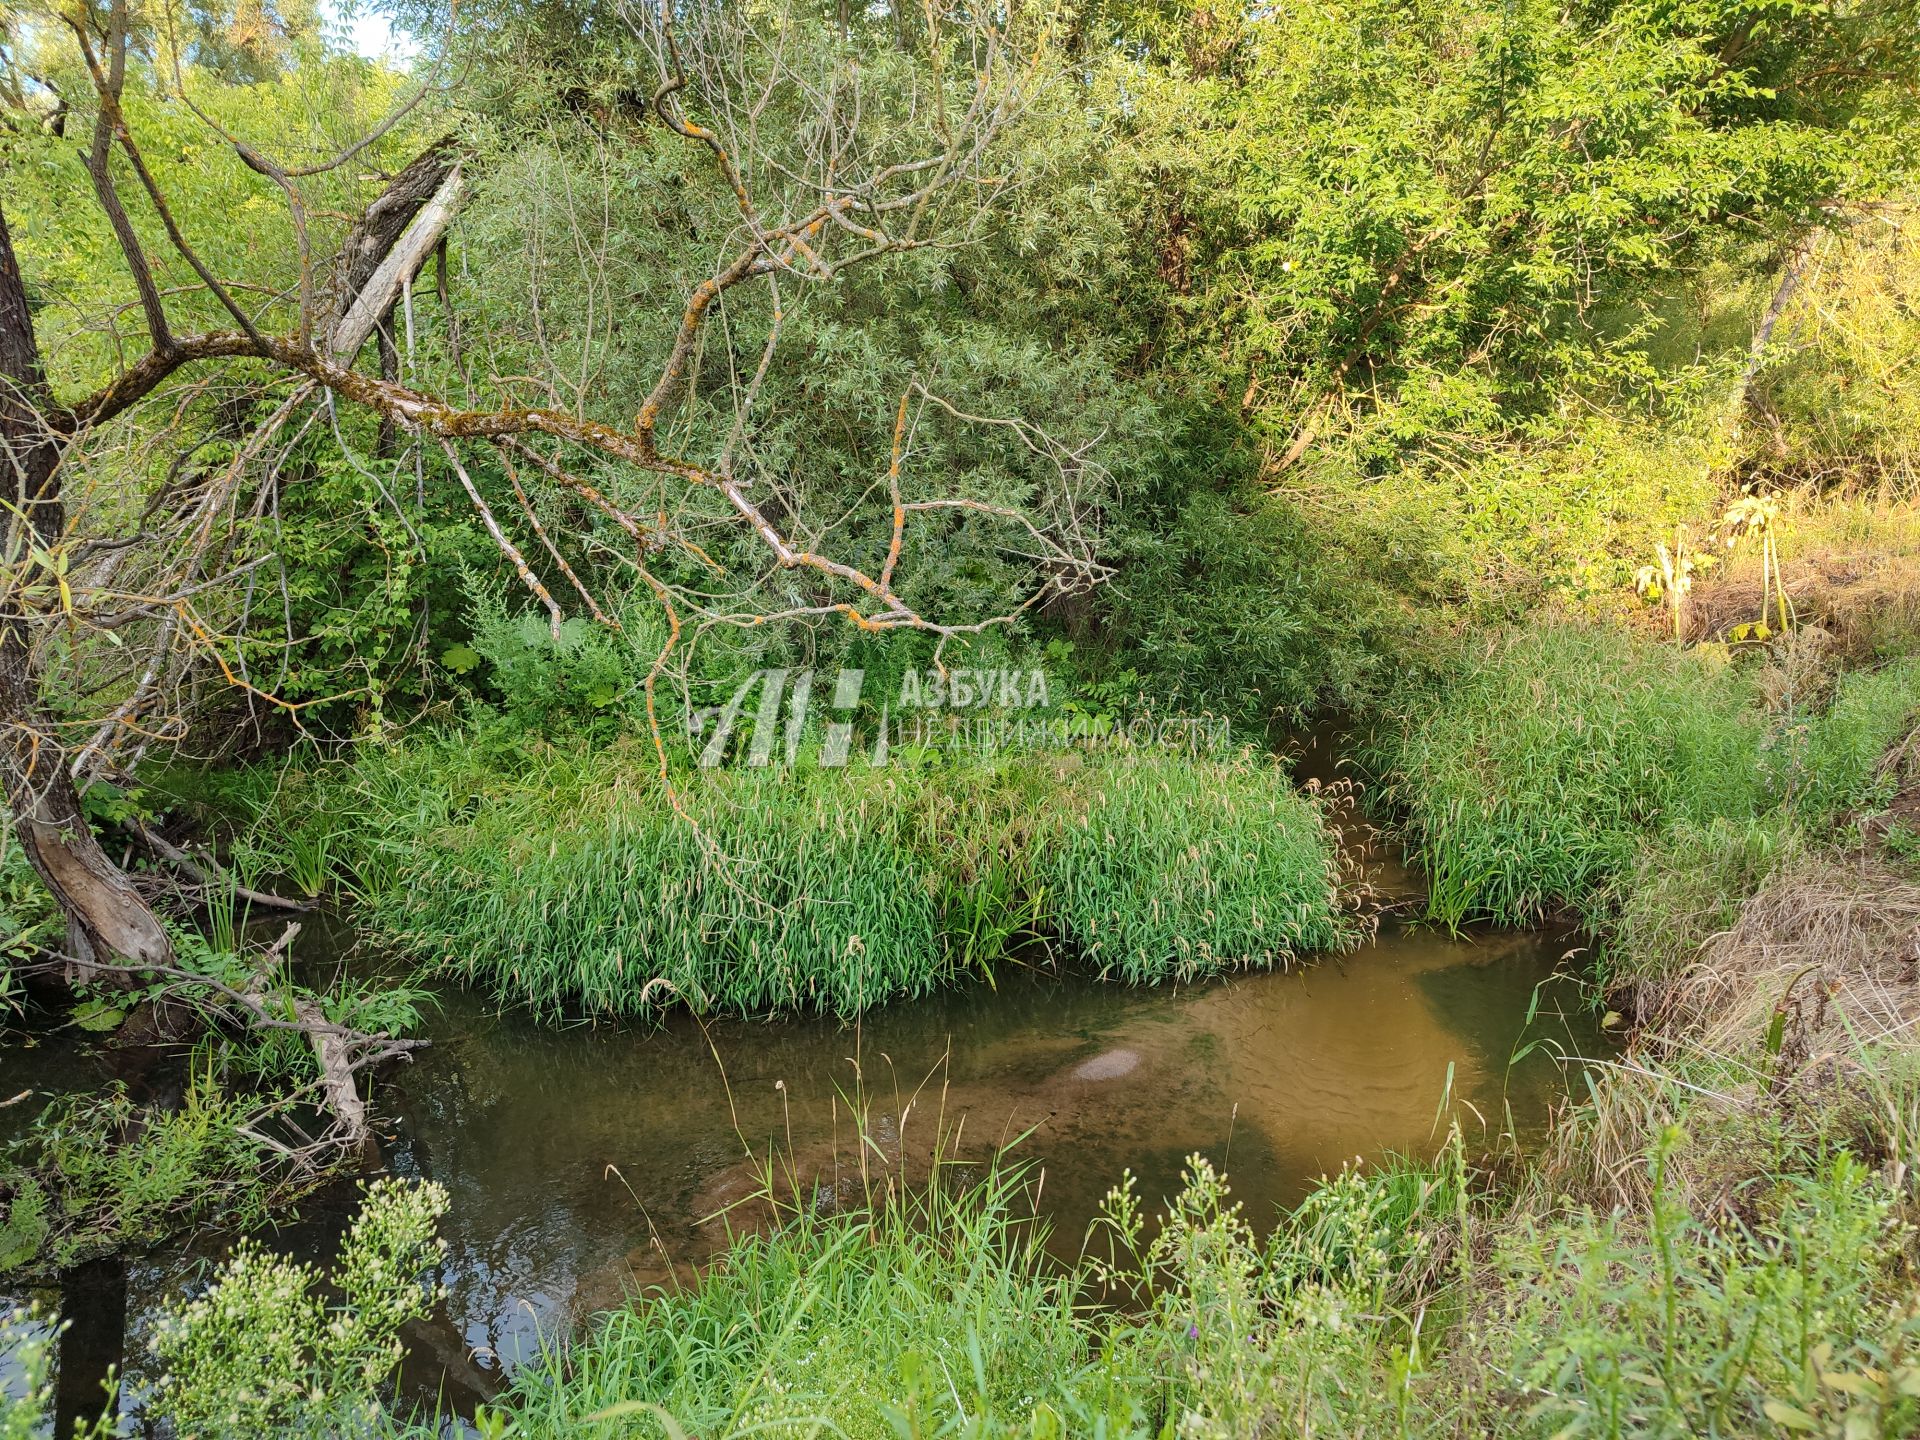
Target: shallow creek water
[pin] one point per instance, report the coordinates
(585, 1162)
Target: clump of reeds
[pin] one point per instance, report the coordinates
(575, 886)
(1162, 868)
(774, 898)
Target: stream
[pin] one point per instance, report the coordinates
(586, 1162)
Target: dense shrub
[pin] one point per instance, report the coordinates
(274, 1347)
(1245, 606)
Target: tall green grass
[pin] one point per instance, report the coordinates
(1832, 765)
(1686, 886)
(575, 887)
(934, 1313)
(562, 878)
(939, 1312)
(1532, 771)
(1168, 869)
(1398, 1301)
(1562, 768)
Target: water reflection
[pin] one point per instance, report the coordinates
(586, 1162)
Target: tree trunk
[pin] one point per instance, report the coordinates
(105, 914)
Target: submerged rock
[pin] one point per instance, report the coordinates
(1110, 1065)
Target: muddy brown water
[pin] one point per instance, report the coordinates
(585, 1163)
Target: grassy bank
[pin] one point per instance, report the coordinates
(1553, 769)
(561, 879)
(1718, 1240)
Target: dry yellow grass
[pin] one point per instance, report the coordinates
(1831, 945)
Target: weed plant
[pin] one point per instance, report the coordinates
(97, 1172)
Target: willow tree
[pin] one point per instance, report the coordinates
(129, 547)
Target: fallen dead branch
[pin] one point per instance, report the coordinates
(263, 1003)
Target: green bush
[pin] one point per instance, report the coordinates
(96, 1173)
(273, 1347)
(1532, 772)
(1242, 605)
(547, 679)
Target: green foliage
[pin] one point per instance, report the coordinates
(370, 580)
(1836, 764)
(235, 227)
(572, 886)
(1431, 220)
(585, 677)
(28, 917)
(939, 1313)
(26, 1398)
(267, 1348)
(560, 878)
(934, 1310)
(1532, 772)
(1799, 1323)
(1792, 1317)
(1836, 422)
(1688, 884)
(1243, 1332)
(1246, 608)
(1563, 768)
(97, 1172)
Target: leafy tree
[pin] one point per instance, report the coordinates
(1394, 222)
